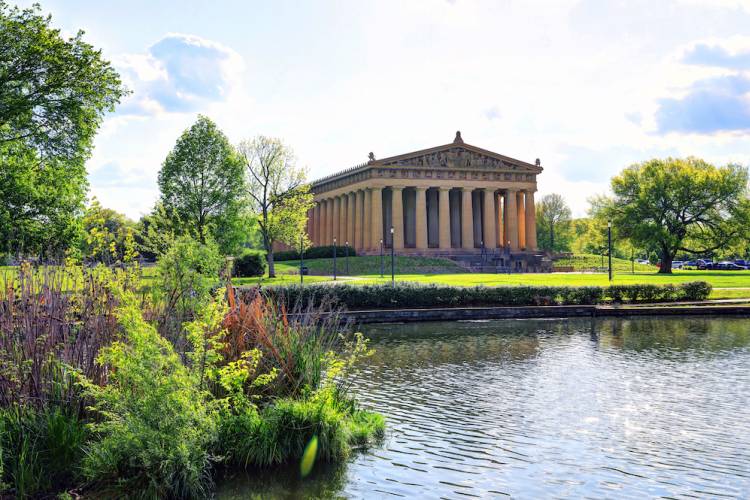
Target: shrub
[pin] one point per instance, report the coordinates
(249, 264)
(156, 426)
(186, 275)
(323, 252)
(412, 295)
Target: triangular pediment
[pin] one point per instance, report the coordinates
(458, 156)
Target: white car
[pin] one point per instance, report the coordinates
(677, 264)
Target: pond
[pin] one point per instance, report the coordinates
(637, 408)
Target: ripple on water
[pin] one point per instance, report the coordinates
(632, 408)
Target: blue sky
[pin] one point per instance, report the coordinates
(588, 86)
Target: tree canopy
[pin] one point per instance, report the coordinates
(553, 223)
(277, 192)
(53, 92)
(679, 205)
(53, 96)
(202, 185)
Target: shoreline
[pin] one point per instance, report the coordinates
(373, 316)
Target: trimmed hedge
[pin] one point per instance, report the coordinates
(411, 295)
(249, 264)
(325, 252)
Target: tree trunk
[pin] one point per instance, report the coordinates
(269, 256)
(551, 237)
(666, 262)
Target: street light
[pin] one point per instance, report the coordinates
(347, 258)
(609, 245)
(301, 258)
(381, 257)
(334, 259)
(393, 265)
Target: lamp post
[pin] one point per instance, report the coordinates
(382, 258)
(393, 265)
(609, 247)
(334, 259)
(301, 258)
(347, 259)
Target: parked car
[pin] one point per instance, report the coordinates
(729, 266)
(677, 264)
(691, 264)
(642, 261)
(741, 262)
(704, 264)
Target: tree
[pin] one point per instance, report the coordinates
(278, 192)
(109, 236)
(53, 92)
(679, 205)
(553, 223)
(53, 96)
(40, 203)
(202, 185)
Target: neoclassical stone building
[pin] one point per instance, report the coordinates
(447, 200)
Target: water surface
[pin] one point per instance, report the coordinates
(646, 407)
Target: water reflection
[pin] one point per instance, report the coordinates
(536, 408)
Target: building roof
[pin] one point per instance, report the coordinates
(458, 143)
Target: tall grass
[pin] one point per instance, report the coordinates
(51, 319)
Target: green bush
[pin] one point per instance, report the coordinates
(156, 425)
(249, 264)
(324, 252)
(412, 295)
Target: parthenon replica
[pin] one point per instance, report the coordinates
(453, 200)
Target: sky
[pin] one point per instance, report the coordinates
(587, 86)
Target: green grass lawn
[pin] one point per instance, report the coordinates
(587, 261)
(370, 265)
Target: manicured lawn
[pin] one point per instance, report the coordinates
(370, 265)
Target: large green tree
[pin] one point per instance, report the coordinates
(109, 236)
(278, 192)
(54, 93)
(679, 205)
(553, 223)
(202, 185)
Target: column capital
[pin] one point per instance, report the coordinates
(420, 188)
(397, 188)
(466, 189)
(444, 188)
(489, 189)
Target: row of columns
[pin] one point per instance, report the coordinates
(508, 216)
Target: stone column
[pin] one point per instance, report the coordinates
(467, 220)
(444, 218)
(367, 219)
(336, 218)
(376, 215)
(397, 217)
(343, 214)
(420, 223)
(521, 220)
(316, 225)
(500, 221)
(358, 199)
(323, 222)
(511, 219)
(489, 233)
(530, 221)
(351, 214)
(329, 221)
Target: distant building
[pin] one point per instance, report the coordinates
(448, 200)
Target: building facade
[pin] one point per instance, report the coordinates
(448, 200)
